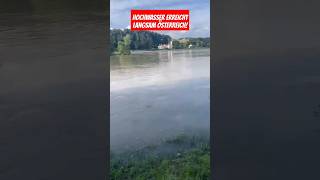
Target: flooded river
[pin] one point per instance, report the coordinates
(53, 92)
(157, 95)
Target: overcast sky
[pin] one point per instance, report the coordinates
(199, 14)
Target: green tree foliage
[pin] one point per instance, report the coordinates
(127, 41)
(200, 42)
(194, 42)
(142, 40)
(121, 48)
(139, 40)
(176, 44)
(124, 45)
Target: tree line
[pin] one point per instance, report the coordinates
(183, 43)
(139, 40)
(122, 41)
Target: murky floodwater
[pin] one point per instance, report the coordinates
(157, 95)
(52, 95)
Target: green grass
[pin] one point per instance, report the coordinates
(190, 164)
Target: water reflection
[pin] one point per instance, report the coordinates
(158, 68)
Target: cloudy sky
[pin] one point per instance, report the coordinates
(199, 14)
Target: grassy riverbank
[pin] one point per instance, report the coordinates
(189, 161)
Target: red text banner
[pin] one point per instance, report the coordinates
(160, 20)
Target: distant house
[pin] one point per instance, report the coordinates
(165, 46)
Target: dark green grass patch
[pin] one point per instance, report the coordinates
(189, 164)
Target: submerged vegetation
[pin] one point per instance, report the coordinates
(188, 158)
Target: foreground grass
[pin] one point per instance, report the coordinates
(192, 164)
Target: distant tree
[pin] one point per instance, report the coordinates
(127, 41)
(200, 42)
(121, 48)
(124, 46)
(176, 44)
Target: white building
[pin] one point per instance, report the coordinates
(165, 46)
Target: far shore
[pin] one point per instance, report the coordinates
(152, 50)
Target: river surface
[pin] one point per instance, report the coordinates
(53, 95)
(157, 95)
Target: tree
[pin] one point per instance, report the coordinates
(176, 44)
(120, 47)
(127, 41)
(124, 46)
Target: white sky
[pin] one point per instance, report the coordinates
(199, 14)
